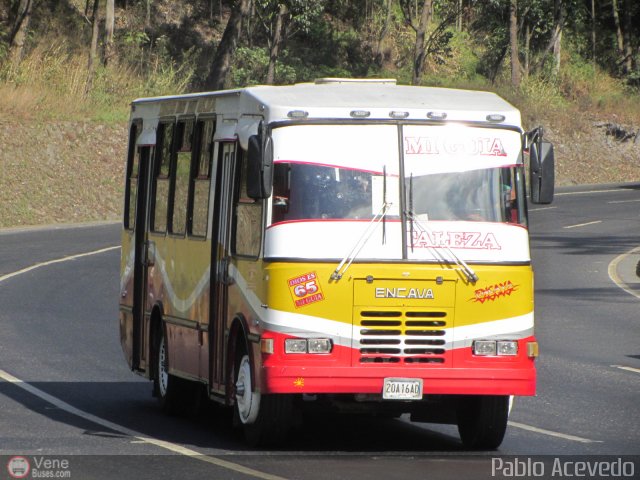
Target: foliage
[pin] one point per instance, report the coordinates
(171, 51)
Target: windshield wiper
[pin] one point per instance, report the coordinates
(355, 251)
(366, 235)
(472, 276)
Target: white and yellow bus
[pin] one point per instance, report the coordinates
(355, 244)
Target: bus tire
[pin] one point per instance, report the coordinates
(265, 419)
(165, 385)
(482, 421)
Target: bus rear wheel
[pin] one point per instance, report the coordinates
(265, 419)
(482, 421)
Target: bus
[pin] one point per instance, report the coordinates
(347, 244)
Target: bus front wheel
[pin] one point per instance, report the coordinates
(164, 384)
(265, 419)
(482, 421)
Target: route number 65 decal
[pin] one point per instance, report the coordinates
(305, 289)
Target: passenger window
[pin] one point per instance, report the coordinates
(184, 137)
(133, 168)
(161, 177)
(248, 217)
(202, 178)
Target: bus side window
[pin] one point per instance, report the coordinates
(248, 216)
(201, 178)
(133, 166)
(161, 177)
(180, 177)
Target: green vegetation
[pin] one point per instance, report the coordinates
(66, 118)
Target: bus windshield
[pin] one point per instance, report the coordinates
(312, 192)
(485, 195)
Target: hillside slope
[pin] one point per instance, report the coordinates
(60, 172)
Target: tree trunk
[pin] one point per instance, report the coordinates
(19, 32)
(628, 53)
(278, 35)
(379, 56)
(527, 50)
(557, 51)
(147, 19)
(593, 34)
(419, 52)
(108, 34)
(560, 14)
(619, 37)
(93, 50)
(513, 42)
(224, 53)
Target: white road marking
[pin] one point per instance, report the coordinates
(628, 369)
(617, 190)
(540, 209)
(136, 436)
(52, 262)
(551, 433)
(625, 201)
(584, 224)
(613, 272)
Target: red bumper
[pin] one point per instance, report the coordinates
(340, 372)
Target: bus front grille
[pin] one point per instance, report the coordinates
(401, 336)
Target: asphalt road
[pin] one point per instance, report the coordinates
(66, 394)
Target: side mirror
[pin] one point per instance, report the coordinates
(541, 171)
(259, 167)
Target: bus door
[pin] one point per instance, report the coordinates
(134, 248)
(220, 258)
(140, 258)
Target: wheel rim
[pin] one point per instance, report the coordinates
(163, 374)
(248, 402)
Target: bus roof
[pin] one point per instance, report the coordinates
(379, 99)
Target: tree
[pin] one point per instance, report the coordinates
(227, 46)
(420, 28)
(513, 41)
(19, 31)
(93, 49)
(379, 58)
(559, 20)
(108, 34)
(281, 20)
(276, 41)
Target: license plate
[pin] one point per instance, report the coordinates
(402, 389)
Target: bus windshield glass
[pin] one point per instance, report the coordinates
(485, 195)
(311, 192)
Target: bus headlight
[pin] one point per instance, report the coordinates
(507, 347)
(310, 345)
(484, 347)
(295, 345)
(502, 348)
(319, 345)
